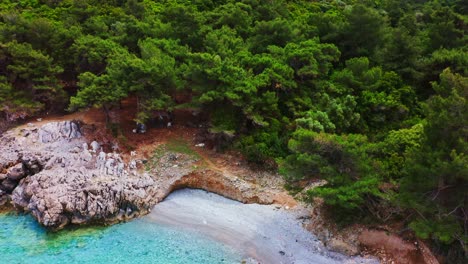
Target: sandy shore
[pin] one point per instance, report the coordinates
(260, 232)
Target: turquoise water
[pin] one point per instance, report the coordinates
(22, 240)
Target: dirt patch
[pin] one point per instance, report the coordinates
(393, 249)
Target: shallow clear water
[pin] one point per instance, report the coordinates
(22, 240)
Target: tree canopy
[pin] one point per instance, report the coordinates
(368, 95)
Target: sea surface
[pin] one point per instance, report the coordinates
(23, 240)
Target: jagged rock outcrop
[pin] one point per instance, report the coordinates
(55, 131)
(50, 172)
(53, 173)
(16, 172)
(61, 196)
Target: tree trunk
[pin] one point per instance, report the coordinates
(106, 111)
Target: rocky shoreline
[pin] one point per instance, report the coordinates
(49, 172)
(52, 173)
(55, 173)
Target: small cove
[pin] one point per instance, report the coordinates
(190, 226)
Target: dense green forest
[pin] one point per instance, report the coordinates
(369, 95)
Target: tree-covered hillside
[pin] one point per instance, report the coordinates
(370, 95)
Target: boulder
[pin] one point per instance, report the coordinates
(55, 131)
(95, 146)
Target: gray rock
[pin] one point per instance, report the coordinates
(55, 131)
(110, 163)
(95, 146)
(133, 165)
(57, 198)
(8, 185)
(51, 163)
(25, 132)
(16, 172)
(101, 162)
(3, 198)
(2, 176)
(86, 156)
(75, 150)
(34, 164)
(115, 146)
(58, 187)
(120, 169)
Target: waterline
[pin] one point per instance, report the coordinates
(22, 240)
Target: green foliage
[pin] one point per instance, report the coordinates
(364, 32)
(277, 32)
(14, 102)
(92, 53)
(394, 149)
(436, 174)
(262, 146)
(181, 146)
(354, 92)
(28, 81)
(383, 101)
(316, 121)
(340, 159)
(226, 120)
